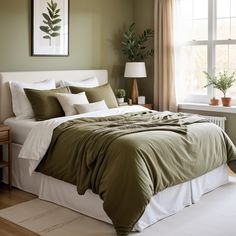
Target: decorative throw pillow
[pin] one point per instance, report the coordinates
(20, 103)
(67, 102)
(86, 83)
(45, 104)
(96, 106)
(96, 94)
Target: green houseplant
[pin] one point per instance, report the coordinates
(223, 81)
(120, 95)
(134, 45)
(136, 50)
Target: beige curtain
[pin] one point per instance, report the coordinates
(164, 83)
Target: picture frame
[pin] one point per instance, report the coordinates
(50, 28)
(141, 100)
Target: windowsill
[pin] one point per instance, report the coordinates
(206, 107)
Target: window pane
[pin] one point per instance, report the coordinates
(232, 67)
(186, 7)
(223, 8)
(232, 57)
(233, 8)
(226, 60)
(222, 58)
(200, 30)
(226, 19)
(196, 63)
(223, 28)
(233, 28)
(200, 9)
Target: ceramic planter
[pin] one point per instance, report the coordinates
(120, 100)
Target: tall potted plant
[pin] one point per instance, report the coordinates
(223, 81)
(136, 51)
(134, 45)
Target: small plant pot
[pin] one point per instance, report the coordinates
(120, 100)
(214, 102)
(226, 101)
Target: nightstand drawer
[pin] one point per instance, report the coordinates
(4, 136)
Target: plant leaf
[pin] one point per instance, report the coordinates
(46, 37)
(57, 11)
(56, 28)
(46, 17)
(45, 29)
(54, 22)
(50, 12)
(55, 34)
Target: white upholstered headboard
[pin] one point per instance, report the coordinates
(36, 76)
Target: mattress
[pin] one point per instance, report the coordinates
(20, 128)
(163, 204)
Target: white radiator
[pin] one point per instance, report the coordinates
(220, 121)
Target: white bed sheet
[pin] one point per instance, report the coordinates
(20, 128)
(164, 204)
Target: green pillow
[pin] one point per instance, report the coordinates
(96, 94)
(44, 102)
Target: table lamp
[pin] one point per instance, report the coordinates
(135, 70)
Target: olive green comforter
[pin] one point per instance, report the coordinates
(126, 159)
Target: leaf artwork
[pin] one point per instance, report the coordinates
(51, 21)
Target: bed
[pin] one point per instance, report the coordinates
(161, 205)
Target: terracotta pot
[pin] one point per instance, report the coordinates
(226, 101)
(214, 102)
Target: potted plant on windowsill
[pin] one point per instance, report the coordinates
(223, 81)
(214, 101)
(120, 95)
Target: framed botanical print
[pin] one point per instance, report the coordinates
(50, 27)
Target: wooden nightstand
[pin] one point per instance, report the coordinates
(5, 138)
(149, 106)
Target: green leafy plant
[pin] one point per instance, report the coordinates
(120, 93)
(223, 81)
(134, 45)
(51, 21)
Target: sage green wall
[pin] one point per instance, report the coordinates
(144, 18)
(96, 27)
(230, 124)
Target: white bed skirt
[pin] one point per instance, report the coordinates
(164, 204)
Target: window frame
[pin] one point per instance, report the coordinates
(211, 44)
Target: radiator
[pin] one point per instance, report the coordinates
(220, 121)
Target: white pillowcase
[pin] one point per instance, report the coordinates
(96, 106)
(20, 103)
(67, 102)
(86, 83)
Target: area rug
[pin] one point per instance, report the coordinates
(213, 215)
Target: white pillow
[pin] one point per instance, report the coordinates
(67, 102)
(86, 83)
(20, 103)
(96, 106)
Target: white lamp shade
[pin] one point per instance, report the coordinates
(135, 70)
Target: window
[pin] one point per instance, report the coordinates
(205, 40)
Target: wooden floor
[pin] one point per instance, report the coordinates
(11, 198)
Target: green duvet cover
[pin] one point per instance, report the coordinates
(126, 159)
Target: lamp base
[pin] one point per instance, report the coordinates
(134, 92)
